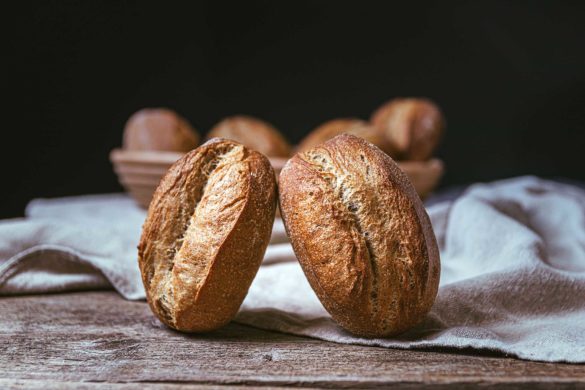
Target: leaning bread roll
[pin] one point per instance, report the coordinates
(253, 133)
(205, 235)
(353, 126)
(159, 129)
(412, 126)
(361, 235)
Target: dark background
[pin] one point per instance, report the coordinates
(510, 77)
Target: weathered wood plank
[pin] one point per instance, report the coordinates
(98, 337)
(31, 384)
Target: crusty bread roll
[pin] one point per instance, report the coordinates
(412, 126)
(205, 235)
(159, 129)
(353, 126)
(253, 133)
(362, 236)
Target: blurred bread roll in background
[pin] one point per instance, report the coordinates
(253, 133)
(353, 126)
(159, 129)
(412, 126)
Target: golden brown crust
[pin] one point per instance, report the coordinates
(253, 133)
(362, 236)
(159, 129)
(205, 235)
(353, 126)
(412, 126)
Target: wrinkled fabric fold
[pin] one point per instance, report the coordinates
(512, 279)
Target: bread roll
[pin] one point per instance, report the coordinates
(253, 133)
(159, 129)
(205, 235)
(362, 236)
(413, 127)
(352, 126)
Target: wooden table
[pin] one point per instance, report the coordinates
(96, 340)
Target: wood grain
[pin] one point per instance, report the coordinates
(89, 340)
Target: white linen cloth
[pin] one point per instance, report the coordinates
(512, 279)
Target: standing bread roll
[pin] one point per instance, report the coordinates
(362, 236)
(413, 127)
(253, 133)
(205, 235)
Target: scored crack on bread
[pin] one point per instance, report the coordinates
(205, 234)
(361, 235)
